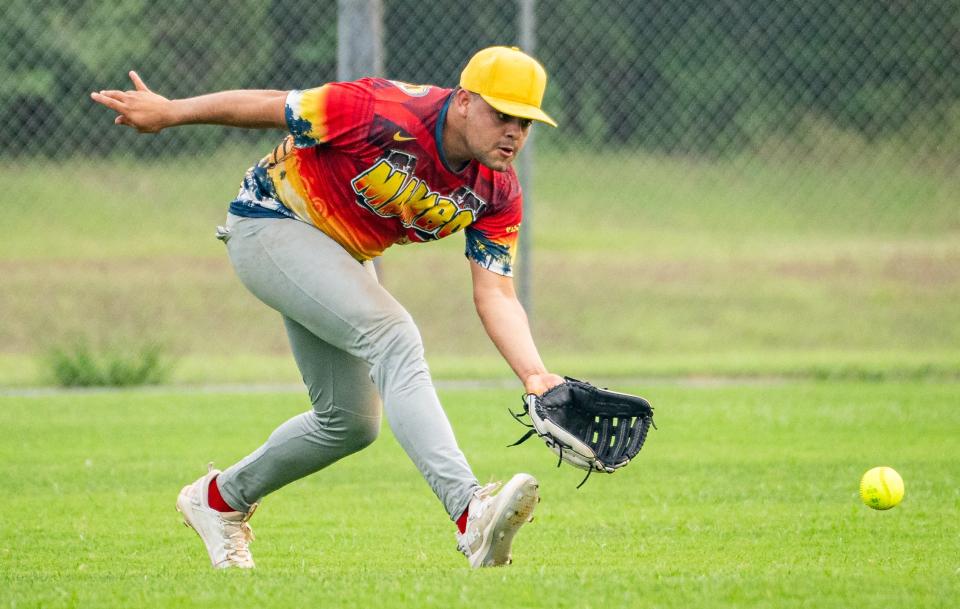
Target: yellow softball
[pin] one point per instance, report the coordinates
(881, 488)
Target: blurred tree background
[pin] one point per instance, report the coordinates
(735, 187)
(679, 77)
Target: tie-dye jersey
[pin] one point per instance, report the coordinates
(364, 164)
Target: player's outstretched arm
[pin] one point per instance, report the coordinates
(506, 324)
(148, 112)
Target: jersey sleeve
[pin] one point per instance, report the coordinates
(338, 114)
(492, 239)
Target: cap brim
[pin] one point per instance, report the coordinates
(517, 109)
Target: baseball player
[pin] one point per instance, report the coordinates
(365, 165)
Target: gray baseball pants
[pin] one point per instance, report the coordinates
(345, 331)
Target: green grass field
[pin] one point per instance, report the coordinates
(746, 496)
(643, 266)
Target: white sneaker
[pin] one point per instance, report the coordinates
(492, 521)
(226, 534)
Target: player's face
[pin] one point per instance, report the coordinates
(493, 138)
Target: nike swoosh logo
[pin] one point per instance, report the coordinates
(399, 138)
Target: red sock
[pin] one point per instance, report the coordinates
(462, 521)
(215, 499)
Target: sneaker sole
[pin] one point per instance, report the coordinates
(183, 512)
(523, 492)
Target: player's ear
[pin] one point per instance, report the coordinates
(461, 101)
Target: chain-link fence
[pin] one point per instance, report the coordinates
(685, 126)
(672, 77)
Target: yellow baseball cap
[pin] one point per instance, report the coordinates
(509, 80)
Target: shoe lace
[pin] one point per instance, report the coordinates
(471, 533)
(238, 537)
(488, 490)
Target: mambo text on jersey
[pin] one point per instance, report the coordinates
(390, 189)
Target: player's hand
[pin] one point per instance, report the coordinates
(539, 383)
(141, 109)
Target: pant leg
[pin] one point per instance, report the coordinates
(309, 278)
(345, 419)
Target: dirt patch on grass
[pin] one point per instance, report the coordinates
(900, 268)
(839, 268)
(187, 304)
(923, 270)
(583, 302)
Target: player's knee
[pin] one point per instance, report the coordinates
(363, 432)
(397, 342)
(368, 432)
(395, 355)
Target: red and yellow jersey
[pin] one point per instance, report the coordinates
(364, 164)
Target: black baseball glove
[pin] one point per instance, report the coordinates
(588, 427)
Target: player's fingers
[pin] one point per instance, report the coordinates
(119, 120)
(107, 100)
(138, 82)
(120, 96)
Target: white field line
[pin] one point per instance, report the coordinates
(442, 385)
